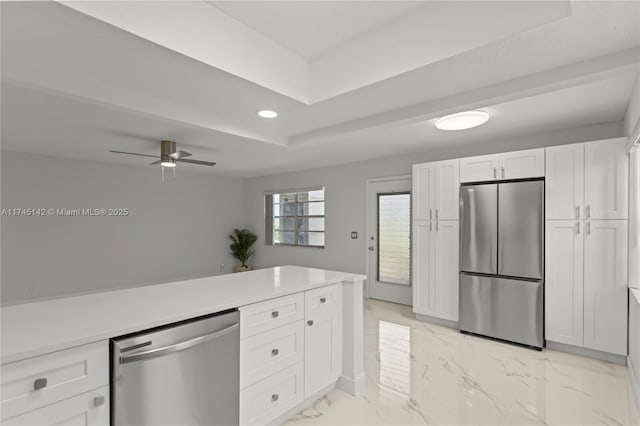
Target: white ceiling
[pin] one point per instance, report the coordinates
(310, 28)
(75, 86)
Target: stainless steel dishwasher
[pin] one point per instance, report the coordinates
(181, 374)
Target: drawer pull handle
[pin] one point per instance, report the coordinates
(323, 300)
(275, 352)
(275, 397)
(40, 383)
(275, 314)
(310, 322)
(98, 401)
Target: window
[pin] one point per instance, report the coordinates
(295, 218)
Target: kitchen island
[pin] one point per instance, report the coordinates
(38, 336)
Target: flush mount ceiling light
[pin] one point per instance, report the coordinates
(462, 120)
(265, 113)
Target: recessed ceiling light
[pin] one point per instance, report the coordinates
(265, 113)
(462, 120)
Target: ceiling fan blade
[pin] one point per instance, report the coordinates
(135, 153)
(180, 154)
(202, 163)
(155, 162)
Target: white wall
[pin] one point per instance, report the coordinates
(175, 229)
(345, 197)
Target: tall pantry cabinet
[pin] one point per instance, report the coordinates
(586, 245)
(435, 243)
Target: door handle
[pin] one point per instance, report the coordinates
(371, 248)
(588, 228)
(436, 214)
(577, 228)
(495, 173)
(430, 226)
(577, 212)
(502, 172)
(430, 213)
(588, 211)
(152, 353)
(436, 226)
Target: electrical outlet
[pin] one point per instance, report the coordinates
(221, 266)
(354, 235)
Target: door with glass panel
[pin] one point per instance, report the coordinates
(389, 240)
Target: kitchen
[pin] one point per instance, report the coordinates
(127, 83)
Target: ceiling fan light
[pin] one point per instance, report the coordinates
(462, 120)
(168, 164)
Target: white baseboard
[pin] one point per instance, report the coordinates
(634, 378)
(352, 386)
(437, 321)
(588, 353)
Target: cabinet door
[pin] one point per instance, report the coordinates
(447, 187)
(322, 345)
(423, 185)
(522, 164)
(446, 269)
(565, 182)
(88, 409)
(564, 281)
(481, 168)
(422, 263)
(606, 179)
(605, 286)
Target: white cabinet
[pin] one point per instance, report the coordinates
(446, 269)
(606, 179)
(587, 181)
(57, 387)
(479, 168)
(605, 285)
(564, 281)
(435, 269)
(586, 284)
(87, 409)
(323, 338)
(290, 349)
(564, 182)
(435, 190)
(508, 165)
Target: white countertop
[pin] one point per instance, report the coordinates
(40, 327)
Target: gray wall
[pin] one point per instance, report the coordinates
(176, 229)
(345, 197)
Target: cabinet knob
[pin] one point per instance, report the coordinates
(275, 352)
(275, 314)
(98, 401)
(40, 383)
(310, 322)
(275, 397)
(323, 300)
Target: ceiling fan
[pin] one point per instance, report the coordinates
(169, 157)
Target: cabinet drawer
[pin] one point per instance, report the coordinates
(57, 376)
(325, 300)
(270, 314)
(89, 409)
(270, 398)
(267, 353)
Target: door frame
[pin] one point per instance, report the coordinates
(370, 227)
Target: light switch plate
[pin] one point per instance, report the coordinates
(354, 235)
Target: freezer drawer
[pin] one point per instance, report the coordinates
(479, 228)
(521, 229)
(502, 308)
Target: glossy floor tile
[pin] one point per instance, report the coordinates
(419, 373)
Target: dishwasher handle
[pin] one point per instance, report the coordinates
(153, 353)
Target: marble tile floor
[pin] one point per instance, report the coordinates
(419, 373)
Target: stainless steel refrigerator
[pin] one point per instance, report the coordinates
(502, 260)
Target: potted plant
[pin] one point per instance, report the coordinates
(242, 239)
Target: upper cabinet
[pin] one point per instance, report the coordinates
(587, 181)
(509, 165)
(606, 179)
(435, 190)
